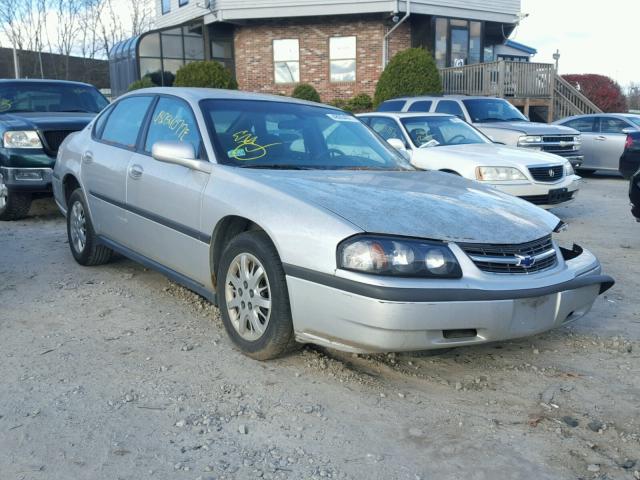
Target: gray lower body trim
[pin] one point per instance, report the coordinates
(167, 272)
(392, 294)
(203, 237)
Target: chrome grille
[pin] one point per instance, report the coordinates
(503, 258)
(547, 174)
(558, 143)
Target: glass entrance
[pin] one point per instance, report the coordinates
(459, 51)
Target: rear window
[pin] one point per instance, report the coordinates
(391, 106)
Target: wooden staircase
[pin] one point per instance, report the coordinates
(526, 85)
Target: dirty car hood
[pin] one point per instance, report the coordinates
(431, 205)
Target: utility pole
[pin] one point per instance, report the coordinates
(556, 57)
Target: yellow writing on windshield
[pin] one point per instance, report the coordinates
(5, 104)
(247, 146)
(177, 125)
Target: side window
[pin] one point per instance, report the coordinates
(391, 106)
(123, 125)
(100, 122)
(584, 125)
(365, 120)
(420, 106)
(612, 125)
(450, 107)
(386, 128)
(172, 121)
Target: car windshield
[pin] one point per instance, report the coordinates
(441, 131)
(492, 110)
(282, 135)
(18, 97)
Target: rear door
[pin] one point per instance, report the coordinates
(450, 107)
(609, 143)
(164, 200)
(105, 161)
(588, 128)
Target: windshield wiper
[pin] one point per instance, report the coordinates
(276, 166)
(77, 110)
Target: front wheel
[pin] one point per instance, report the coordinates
(253, 297)
(13, 205)
(83, 241)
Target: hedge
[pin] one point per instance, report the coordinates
(206, 74)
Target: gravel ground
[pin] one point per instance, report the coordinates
(116, 373)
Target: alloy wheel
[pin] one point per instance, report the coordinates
(78, 227)
(248, 296)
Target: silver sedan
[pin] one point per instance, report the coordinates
(305, 227)
(603, 138)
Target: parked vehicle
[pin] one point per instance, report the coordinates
(634, 194)
(35, 117)
(630, 159)
(606, 139)
(499, 120)
(435, 141)
(304, 226)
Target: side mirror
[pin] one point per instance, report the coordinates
(397, 144)
(400, 147)
(178, 153)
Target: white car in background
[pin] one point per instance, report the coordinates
(449, 144)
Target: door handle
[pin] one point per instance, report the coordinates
(601, 138)
(87, 158)
(135, 171)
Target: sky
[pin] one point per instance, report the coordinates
(592, 36)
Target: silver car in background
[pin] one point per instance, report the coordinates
(604, 138)
(304, 226)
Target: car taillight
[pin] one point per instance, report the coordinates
(628, 142)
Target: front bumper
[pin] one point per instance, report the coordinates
(27, 179)
(543, 194)
(356, 317)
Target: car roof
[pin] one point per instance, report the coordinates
(447, 97)
(404, 114)
(602, 114)
(194, 95)
(43, 80)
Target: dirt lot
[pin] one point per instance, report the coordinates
(116, 373)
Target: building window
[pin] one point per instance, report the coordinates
(162, 53)
(182, 3)
(342, 59)
(166, 6)
(457, 42)
(441, 42)
(286, 60)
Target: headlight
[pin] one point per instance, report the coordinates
(568, 169)
(498, 174)
(530, 141)
(21, 139)
(401, 257)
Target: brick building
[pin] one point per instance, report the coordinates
(339, 47)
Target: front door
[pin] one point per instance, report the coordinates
(164, 200)
(104, 165)
(609, 143)
(459, 51)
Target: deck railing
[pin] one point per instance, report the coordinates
(501, 79)
(518, 80)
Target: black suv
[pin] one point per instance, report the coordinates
(634, 195)
(35, 118)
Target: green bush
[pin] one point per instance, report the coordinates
(304, 91)
(207, 74)
(410, 72)
(358, 104)
(144, 82)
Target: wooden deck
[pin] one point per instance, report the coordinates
(526, 85)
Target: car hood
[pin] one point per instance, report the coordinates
(530, 128)
(490, 155)
(430, 205)
(46, 120)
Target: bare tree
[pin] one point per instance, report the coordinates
(68, 28)
(633, 96)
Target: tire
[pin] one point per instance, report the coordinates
(13, 205)
(259, 332)
(82, 239)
